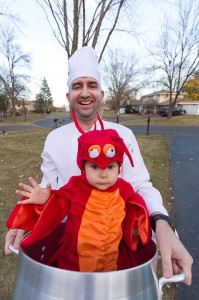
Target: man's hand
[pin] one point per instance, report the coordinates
(14, 237)
(174, 255)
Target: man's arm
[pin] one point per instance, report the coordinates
(49, 170)
(174, 254)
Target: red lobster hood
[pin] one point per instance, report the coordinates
(101, 147)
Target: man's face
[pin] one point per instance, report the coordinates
(86, 96)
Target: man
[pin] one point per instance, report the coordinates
(59, 160)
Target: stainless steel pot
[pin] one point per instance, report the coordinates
(37, 281)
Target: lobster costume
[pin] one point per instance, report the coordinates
(105, 230)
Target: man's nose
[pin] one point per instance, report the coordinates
(85, 92)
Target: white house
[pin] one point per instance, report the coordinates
(191, 106)
(152, 103)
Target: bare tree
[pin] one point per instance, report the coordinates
(5, 14)
(176, 55)
(121, 77)
(13, 61)
(80, 23)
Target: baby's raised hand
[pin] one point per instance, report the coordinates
(34, 193)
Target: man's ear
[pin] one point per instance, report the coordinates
(102, 95)
(68, 97)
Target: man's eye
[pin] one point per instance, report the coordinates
(93, 86)
(76, 87)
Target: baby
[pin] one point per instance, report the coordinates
(104, 214)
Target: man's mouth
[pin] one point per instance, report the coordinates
(86, 102)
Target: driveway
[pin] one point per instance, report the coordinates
(184, 152)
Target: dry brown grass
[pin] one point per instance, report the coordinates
(20, 158)
(154, 149)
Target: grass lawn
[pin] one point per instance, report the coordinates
(156, 120)
(30, 119)
(20, 158)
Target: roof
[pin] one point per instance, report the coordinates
(156, 93)
(188, 101)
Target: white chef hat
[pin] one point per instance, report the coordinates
(83, 63)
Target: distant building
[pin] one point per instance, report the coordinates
(28, 105)
(191, 106)
(153, 102)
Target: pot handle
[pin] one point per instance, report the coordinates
(12, 249)
(175, 278)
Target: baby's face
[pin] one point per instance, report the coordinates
(99, 178)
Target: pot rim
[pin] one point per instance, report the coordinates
(148, 262)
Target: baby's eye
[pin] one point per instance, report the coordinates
(94, 167)
(109, 150)
(110, 167)
(94, 151)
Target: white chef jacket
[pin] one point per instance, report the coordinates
(59, 162)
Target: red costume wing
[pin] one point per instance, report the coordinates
(135, 246)
(136, 224)
(39, 219)
(24, 216)
(54, 212)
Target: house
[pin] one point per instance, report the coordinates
(153, 102)
(29, 106)
(191, 106)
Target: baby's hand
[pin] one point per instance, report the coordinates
(34, 193)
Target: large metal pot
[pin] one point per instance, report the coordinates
(37, 281)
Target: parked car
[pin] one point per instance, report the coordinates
(176, 112)
(129, 109)
(163, 111)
